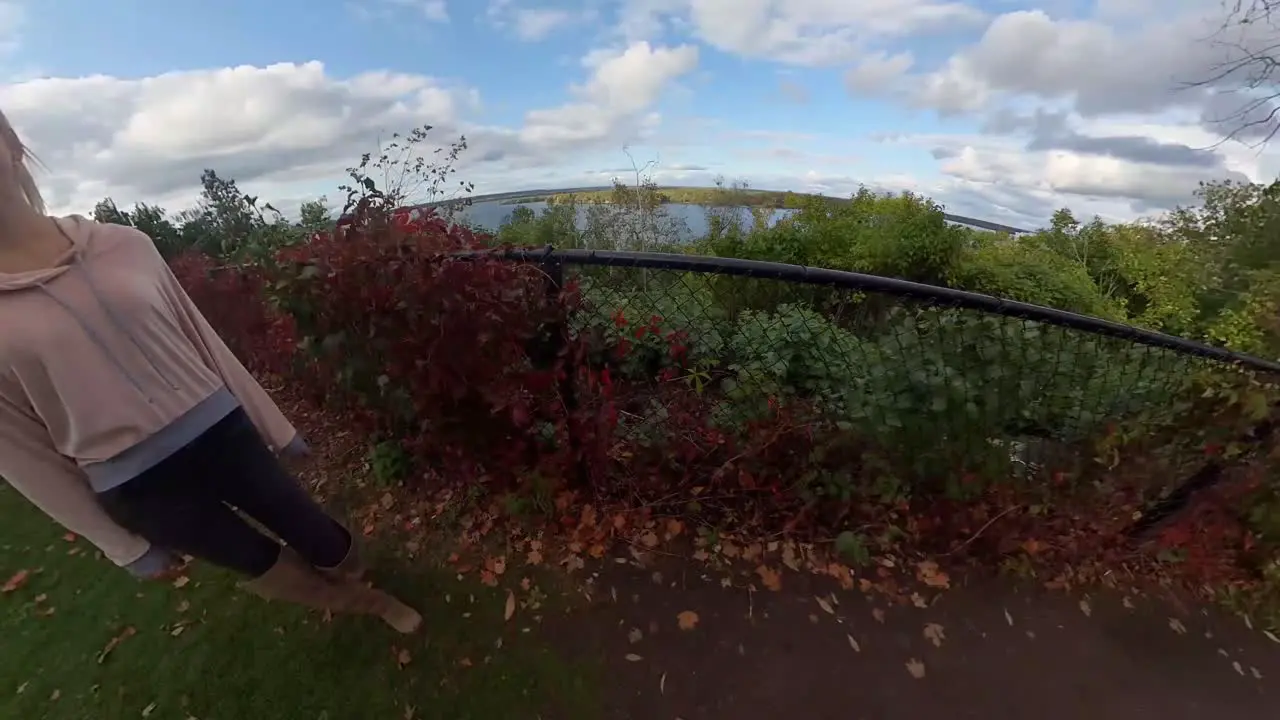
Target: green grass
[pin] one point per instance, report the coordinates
(240, 657)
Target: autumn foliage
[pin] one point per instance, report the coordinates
(479, 373)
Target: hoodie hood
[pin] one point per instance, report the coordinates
(75, 229)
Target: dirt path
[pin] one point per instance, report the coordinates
(1000, 652)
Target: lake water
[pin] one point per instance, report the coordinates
(692, 218)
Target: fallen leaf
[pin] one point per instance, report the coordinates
(465, 662)
(16, 581)
(178, 630)
(510, 609)
(935, 633)
(632, 657)
(146, 711)
(662, 684)
(674, 528)
(69, 537)
(769, 577)
(635, 636)
(854, 644)
(649, 539)
(41, 598)
(181, 582)
(930, 575)
(403, 658)
(878, 614)
(114, 642)
(1127, 602)
(184, 606)
(53, 697)
(916, 668)
(825, 605)
(1176, 625)
(1008, 617)
(1271, 636)
(687, 620)
(1235, 665)
(488, 578)
(1254, 671)
(1085, 608)
(918, 600)
(789, 556)
(533, 558)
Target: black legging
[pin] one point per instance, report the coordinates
(185, 504)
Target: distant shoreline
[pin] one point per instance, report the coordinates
(705, 196)
(708, 197)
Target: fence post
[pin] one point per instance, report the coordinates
(552, 267)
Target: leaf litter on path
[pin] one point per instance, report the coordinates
(935, 633)
(916, 668)
(510, 608)
(687, 620)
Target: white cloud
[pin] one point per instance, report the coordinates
(289, 124)
(799, 32)
(622, 86)
(436, 11)
(877, 72)
(535, 23)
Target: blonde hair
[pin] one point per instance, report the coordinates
(22, 174)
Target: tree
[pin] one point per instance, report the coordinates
(315, 215)
(1246, 91)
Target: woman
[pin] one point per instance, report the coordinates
(125, 418)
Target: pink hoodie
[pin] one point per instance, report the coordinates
(106, 367)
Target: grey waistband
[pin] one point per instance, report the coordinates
(173, 437)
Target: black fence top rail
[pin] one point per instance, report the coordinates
(889, 286)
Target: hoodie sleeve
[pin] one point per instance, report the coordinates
(53, 483)
(272, 425)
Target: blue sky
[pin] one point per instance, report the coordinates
(1003, 109)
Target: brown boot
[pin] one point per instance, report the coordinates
(352, 566)
(291, 579)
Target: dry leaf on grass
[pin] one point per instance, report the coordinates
(114, 642)
(916, 668)
(687, 620)
(181, 582)
(146, 711)
(510, 609)
(15, 581)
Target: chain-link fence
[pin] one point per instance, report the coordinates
(884, 378)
